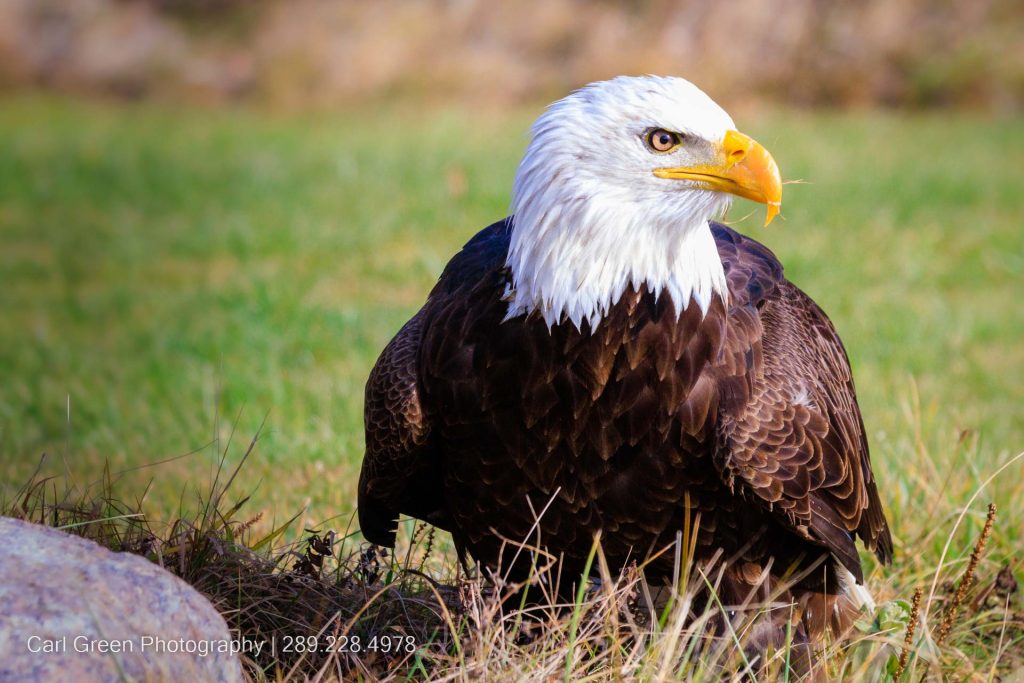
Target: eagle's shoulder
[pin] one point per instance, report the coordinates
(484, 253)
(751, 269)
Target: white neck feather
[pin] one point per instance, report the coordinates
(575, 260)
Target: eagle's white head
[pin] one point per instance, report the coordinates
(617, 187)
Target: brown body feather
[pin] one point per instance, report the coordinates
(748, 412)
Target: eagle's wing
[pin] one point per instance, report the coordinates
(403, 468)
(790, 431)
(397, 436)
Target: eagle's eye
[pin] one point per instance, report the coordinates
(661, 140)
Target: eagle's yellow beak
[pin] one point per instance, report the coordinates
(746, 170)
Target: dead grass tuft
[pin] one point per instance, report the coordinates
(329, 607)
(316, 604)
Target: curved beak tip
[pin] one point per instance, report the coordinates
(756, 173)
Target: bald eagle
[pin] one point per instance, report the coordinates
(610, 359)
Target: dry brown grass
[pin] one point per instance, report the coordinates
(330, 589)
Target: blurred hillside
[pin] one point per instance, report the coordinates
(298, 53)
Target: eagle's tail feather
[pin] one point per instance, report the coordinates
(784, 614)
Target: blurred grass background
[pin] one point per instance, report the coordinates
(164, 268)
(217, 213)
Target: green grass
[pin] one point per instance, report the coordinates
(172, 274)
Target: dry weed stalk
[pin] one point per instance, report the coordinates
(908, 637)
(968, 577)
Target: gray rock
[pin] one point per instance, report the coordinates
(71, 610)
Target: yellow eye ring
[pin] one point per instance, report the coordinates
(661, 140)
